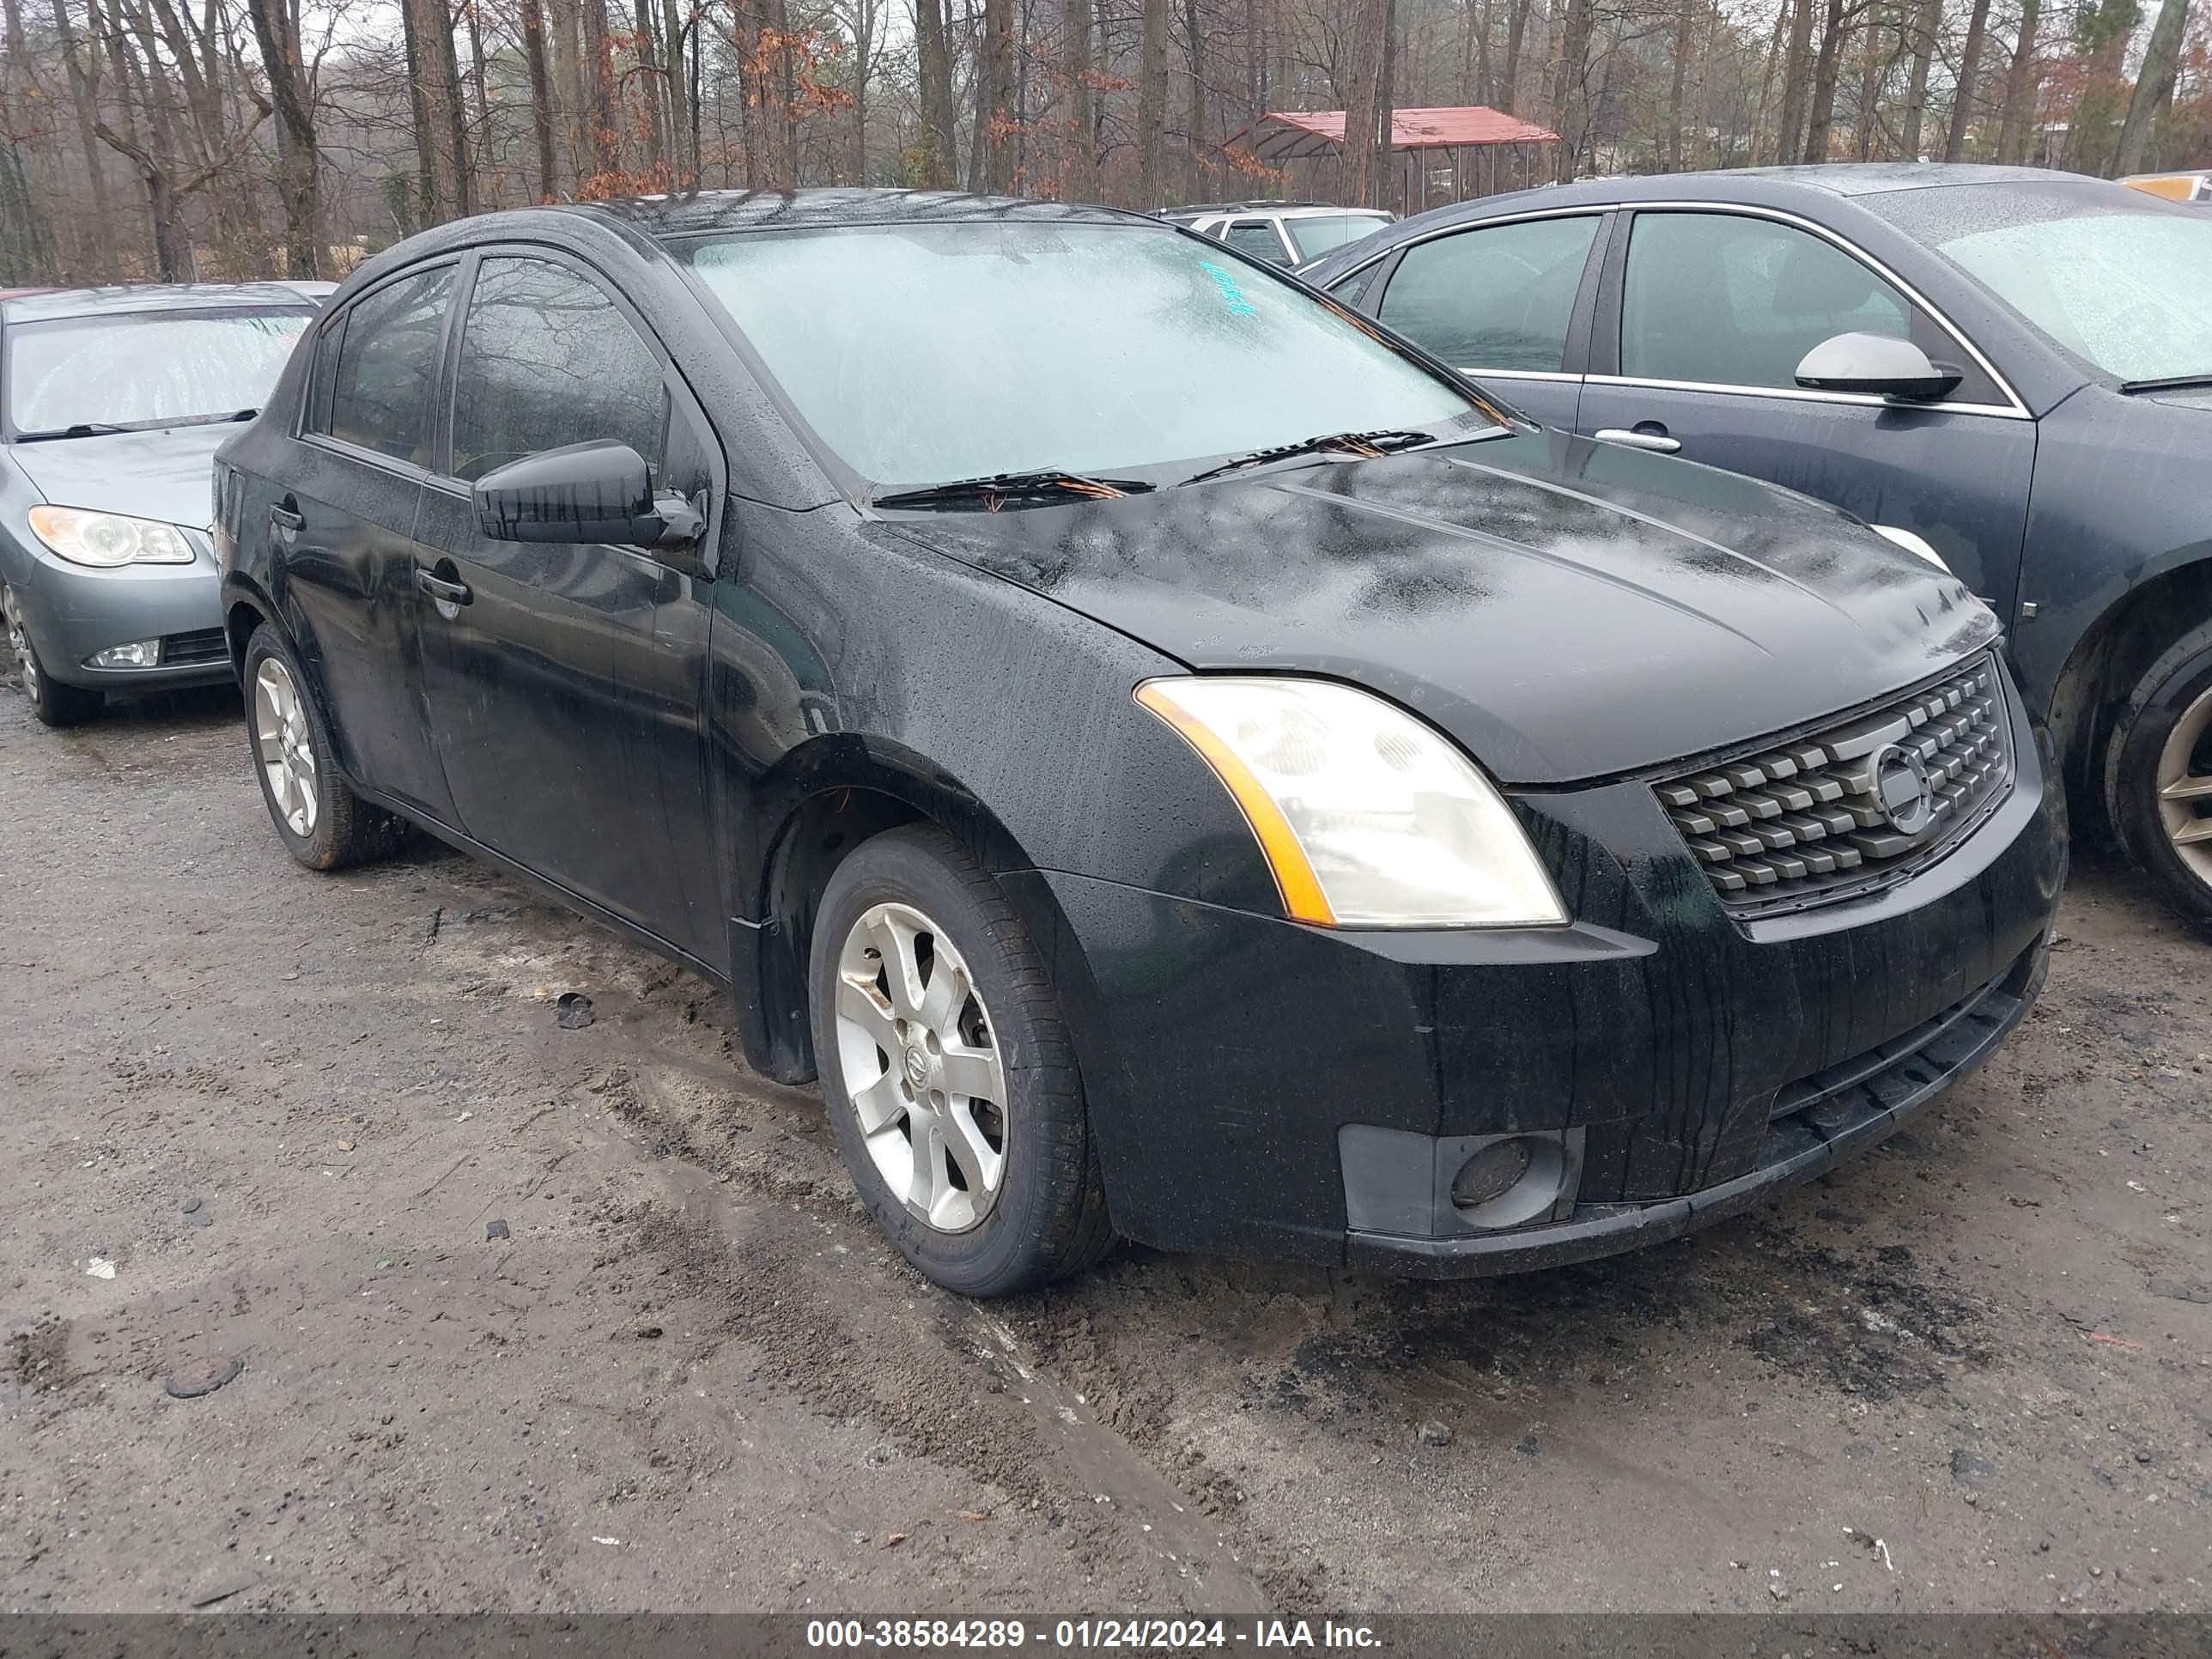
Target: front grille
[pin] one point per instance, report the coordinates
(202, 645)
(1854, 806)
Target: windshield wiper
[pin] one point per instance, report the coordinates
(236, 414)
(104, 429)
(82, 430)
(2170, 383)
(1361, 445)
(1002, 488)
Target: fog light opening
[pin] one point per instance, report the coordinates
(139, 654)
(1496, 1169)
(1513, 1180)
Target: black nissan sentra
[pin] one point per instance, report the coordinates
(1172, 759)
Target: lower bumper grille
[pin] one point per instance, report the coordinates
(1904, 1063)
(202, 645)
(1853, 806)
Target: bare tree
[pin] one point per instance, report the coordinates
(995, 141)
(934, 49)
(1151, 101)
(277, 32)
(2153, 81)
(1970, 69)
(2022, 82)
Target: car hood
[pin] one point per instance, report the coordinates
(166, 474)
(1567, 610)
(2192, 397)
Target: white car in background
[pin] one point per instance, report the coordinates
(1286, 233)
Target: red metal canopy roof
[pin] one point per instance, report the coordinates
(1293, 135)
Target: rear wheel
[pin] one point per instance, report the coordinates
(53, 702)
(950, 1080)
(321, 821)
(2158, 775)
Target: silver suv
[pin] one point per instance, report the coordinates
(1287, 234)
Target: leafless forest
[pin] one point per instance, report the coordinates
(218, 139)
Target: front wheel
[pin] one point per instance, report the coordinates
(321, 821)
(53, 702)
(2158, 775)
(948, 1074)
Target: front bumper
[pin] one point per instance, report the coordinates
(1674, 1048)
(74, 613)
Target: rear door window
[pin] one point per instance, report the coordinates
(1258, 238)
(384, 383)
(1502, 296)
(548, 359)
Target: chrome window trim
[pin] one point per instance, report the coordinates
(1553, 375)
(1798, 394)
(1488, 224)
(2016, 409)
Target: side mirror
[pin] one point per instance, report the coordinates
(600, 491)
(1879, 364)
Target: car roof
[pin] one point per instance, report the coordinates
(1752, 184)
(1262, 209)
(1773, 187)
(711, 211)
(1881, 178)
(143, 296)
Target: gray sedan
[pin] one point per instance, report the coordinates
(112, 402)
(2008, 372)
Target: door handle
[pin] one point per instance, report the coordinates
(445, 592)
(1656, 442)
(285, 522)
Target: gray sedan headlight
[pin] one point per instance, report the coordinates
(106, 540)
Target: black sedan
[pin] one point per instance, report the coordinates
(1173, 761)
(2008, 371)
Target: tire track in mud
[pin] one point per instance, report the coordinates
(797, 1273)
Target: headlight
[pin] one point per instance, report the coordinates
(1368, 817)
(108, 539)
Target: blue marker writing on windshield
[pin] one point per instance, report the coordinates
(1238, 305)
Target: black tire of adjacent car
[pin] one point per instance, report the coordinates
(1050, 1219)
(347, 829)
(54, 704)
(2166, 691)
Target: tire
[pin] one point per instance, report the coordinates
(2161, 747)
(53, 702)
(903, 892)
(321, 821)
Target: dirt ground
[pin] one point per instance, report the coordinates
(1973, 1371)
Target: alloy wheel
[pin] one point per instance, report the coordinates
(286, 747)
(919, 1060)
(19, 642)
(2184, 787)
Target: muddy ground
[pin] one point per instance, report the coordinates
(1973, 1371)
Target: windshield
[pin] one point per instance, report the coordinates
(2128, 289)
(927, 354)
(144, 367)
(1317, 236)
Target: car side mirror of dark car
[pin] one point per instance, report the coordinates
(1877, 364)
(600, 491)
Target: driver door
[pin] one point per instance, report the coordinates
(1703, 320)
(567, 682)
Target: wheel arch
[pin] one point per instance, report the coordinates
(2111, 655)
(824, 800)
(244, 609)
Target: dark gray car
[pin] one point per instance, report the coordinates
(112, 403)
(2007, 370)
